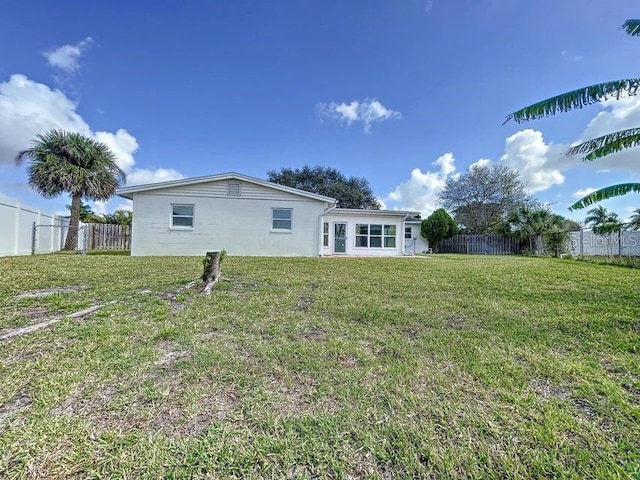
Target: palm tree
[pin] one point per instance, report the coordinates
(119, 217)
(602, 221)
(61, 161)
(531, 224)
(597, 147)
(634, 223)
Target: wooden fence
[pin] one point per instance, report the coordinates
(109, 237)
(481, 244)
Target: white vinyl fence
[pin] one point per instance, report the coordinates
(17, 234)
(621, 243)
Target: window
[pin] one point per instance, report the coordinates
(390, 236)
(281, 218)
(375, 236)
(233, 190)
(181, 216)
(362, 235)
(325, 234)
(407, 233)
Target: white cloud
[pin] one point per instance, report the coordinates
(126, 205)
(422, 189)
(67, 57)
(141, 176)
(368, 111)
(28, 108)
(123, 145)
(483, 162)
(583, 192)
(539, 164)
(542, 165)
(429, 6)
(617, 115)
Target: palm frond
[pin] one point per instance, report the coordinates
(605, 193)
(607, 144)
(575, 99)
(632, 27)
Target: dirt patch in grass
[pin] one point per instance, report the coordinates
(162, 403)
(169, 353)
(456, 321)
(45, 292)
(314, 333)
(292, 396)
(25, 316)
(19, 402)
(173, 418)
(34, 312)
(307, 299)
(304, 303)
(544, 388)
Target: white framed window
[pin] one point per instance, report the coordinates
(389, 236)
(281, 219)
(233, 189)
(375, 236)
(325, 234)
(181, 216)
(408, 234)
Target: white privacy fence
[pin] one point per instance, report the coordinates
(18, 235)
(622, 243)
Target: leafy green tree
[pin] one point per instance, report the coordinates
(480, 198)
(597, 147)
(635, 220)
(119, 217)
(570, 225)
(437, 227)
(87, 215)
(602, 221)
(352, 192)
(556, 240)
(61, 161)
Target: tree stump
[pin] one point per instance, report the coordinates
(211, 273)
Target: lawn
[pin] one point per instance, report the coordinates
(442, 367)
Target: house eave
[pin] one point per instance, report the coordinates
(366, 212)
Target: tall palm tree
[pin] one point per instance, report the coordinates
(61, 161)
(602, 221)
(597, 147)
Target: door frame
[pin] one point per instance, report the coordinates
(333, 245)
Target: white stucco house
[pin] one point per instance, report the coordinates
(249, 216)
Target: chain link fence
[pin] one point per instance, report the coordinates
(51, 238)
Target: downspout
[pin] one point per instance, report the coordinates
(402, 239)
(321, 226)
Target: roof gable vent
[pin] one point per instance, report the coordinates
(233, 189)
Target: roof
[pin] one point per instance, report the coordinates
(127, 192)
(360, 211)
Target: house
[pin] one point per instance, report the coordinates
(249, 216)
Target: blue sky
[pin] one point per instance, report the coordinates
(404, 93)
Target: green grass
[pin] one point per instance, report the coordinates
(443, 367)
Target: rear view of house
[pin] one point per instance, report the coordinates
(249, 216)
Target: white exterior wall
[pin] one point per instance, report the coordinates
(351, 220)
(241, 225)
(415, 244)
